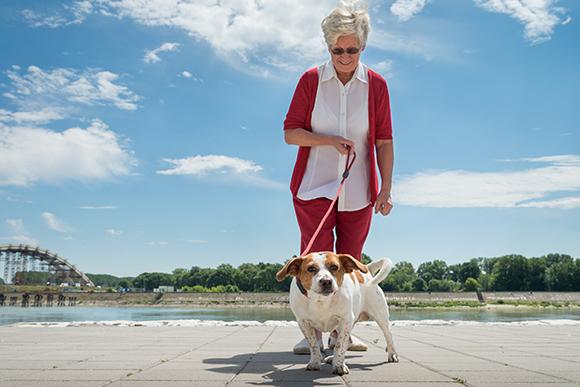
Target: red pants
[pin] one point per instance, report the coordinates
(352, 227)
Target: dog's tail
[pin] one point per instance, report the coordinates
(380, 270)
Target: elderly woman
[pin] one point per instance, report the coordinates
(340, 107)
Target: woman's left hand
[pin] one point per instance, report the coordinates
(383, 204)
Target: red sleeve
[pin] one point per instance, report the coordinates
(384, 129)
(297, 116)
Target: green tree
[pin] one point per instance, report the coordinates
(453, 271)
(419, 285)
(468, 269)
(180, 277)
(150, 281)
(436, 269)
(487, 264)
(244, 277)
(198, 276)
(537, 274)
(222, 275)
(442, 285)
(485, 281)
(560, 276)
(366, 259)
(401, 278)
(471, 284)
(510, 272)
(552, 259)
(125, 284)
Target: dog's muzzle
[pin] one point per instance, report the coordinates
(326, 287)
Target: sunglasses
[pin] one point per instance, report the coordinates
(350, 51)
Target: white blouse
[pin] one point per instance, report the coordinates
(340, 110)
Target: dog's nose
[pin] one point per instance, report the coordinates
(326, 283)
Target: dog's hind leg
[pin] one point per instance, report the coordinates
(379, 311)
(310, 333)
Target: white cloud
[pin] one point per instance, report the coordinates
(152, 57)
(159, 243)
(53, 222)
(252, 36)
(423, 46)
(195, 241)
(42, 116)
(506, 189)
(538, 16)
(186, 74)
(98, 207)
(113, 232)
(37, 89)
(31, 155)
(257, 37)
(200, 165)
(385, 68)
(229, 169)
(70, 14)
(564, 203)
(406, 9)
(20, 235)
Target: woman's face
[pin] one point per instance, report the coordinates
(343, 58)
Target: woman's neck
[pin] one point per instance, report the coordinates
(344, 77)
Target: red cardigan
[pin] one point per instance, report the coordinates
(300, 114)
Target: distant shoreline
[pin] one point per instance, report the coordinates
(434, 300)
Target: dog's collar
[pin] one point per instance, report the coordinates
(301, 287)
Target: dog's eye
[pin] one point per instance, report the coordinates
(312, 269)
(333, 268)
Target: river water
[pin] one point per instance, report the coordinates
(11, 315)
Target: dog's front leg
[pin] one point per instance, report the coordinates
(310, 333)
(339, 367)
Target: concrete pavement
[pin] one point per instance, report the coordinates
(479, 355)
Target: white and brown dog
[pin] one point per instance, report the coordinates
(332, 292)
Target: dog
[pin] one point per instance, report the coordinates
(332, 292)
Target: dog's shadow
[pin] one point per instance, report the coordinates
(274, 367)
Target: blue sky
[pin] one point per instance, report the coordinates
(147, 135)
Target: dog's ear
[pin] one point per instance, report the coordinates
(292, 268)
(350, 263)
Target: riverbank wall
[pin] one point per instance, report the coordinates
(281, 299)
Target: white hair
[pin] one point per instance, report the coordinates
(346, 20)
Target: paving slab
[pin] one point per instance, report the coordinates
(119, 356)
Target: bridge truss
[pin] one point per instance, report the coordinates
(22, 258)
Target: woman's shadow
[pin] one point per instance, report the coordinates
(271, 368)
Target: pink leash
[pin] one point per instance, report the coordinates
(347, 167)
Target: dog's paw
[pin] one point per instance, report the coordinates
(313, 366)
(340, 369)
(392, 357)
(328, 359)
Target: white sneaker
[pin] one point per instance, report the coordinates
(302, 348)
(355, 344)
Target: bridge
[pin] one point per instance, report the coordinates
(22, 258)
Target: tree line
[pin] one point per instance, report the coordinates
(552, 272)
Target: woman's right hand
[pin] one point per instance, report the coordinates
(342, 145)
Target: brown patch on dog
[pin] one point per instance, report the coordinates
(332, 260)
(298, 267)
(305, 276)
(350, 264)
(291, 268)
(363, 317)
(359, 277)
